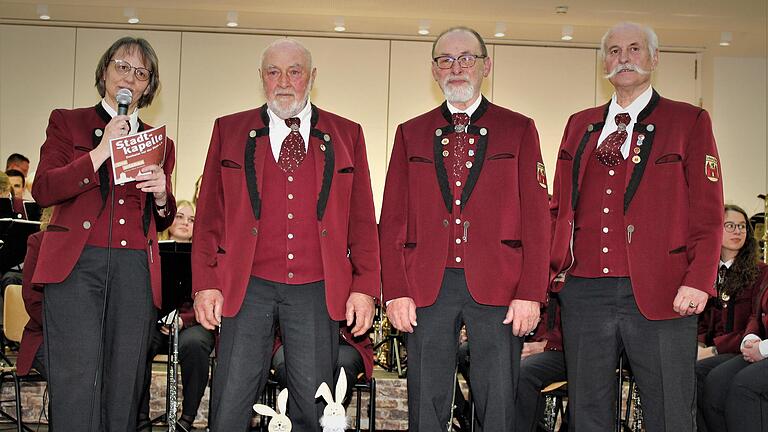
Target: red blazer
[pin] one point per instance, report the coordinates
(505, 198)
(713, 321)
(33, 303)
(758, 322)
(673, 199)
(230, 208)
(65, 178)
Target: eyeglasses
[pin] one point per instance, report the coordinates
(465, 61)
(731, 227)
(122, 67)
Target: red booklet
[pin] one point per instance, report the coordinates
(133, 152)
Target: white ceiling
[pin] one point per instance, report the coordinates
(681, 24)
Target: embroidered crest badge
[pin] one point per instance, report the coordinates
(711, 168)
(541, 175)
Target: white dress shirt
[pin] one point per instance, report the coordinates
(278, 130)
(470, 109)
(633, 110)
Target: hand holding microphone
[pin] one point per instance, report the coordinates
(117, 127)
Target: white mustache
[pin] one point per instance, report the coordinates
(626, 67)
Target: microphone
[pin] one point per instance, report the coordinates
(123, 98)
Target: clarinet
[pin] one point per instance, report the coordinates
(173, 385)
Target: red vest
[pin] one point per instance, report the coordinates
(127, 226)
(599, 242)
(459, 226)
(288, 250)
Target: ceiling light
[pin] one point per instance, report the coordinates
(338, 24)
(726, 38)
(42, 12)
(561, 10)
(501, 30)
(567, 33)
(131, 14)
(231, 19)
(424, 27)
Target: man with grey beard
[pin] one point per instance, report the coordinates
(637, 209)
(286, 235)
(464, 239)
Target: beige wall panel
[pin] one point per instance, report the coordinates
(219, 76)
(91, 44)
(412, 90)
(36, 72)
(548, 85)
(674, 78)
(352, 80)
(739, 117)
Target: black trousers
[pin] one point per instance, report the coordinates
(735, 397)
(536, 372)
(349, 359)
(432, 350)
(195, 346)
(311, 341)
(600, 319)
(71, 324)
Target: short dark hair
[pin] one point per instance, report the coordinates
(16, 158)
(16, 173)
(150, 62)
(473, 32)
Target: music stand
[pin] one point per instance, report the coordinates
(33, 210)
(13, 235)
(177, 289)
(6, 209)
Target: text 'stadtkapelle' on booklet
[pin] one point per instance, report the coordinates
(133, 152)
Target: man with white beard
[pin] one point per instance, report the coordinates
(637, 208)
(464, 239)
(286, 235)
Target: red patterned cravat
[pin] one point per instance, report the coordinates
(292, 152)
(609, 152)
(460, 122)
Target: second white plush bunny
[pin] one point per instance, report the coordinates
(280, 421)
(334, 417)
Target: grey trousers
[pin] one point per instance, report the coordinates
(311, 341)
(735, 397)
(600, 318)
(91, 392)
(432, 352)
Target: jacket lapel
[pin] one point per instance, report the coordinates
(256, 147)
(322, 144)
(583, 152)
(642, 139)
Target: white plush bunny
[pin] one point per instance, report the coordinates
(334, 417)
(280, 422)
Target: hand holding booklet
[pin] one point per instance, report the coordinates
(133, 152)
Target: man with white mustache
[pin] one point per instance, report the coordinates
(464, 239)
(286, 235)
(637, 213)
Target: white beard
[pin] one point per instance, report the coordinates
(460, 93)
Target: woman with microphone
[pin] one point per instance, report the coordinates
(99, 261)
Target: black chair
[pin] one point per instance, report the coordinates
(14, 319)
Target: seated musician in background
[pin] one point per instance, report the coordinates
(740, 279)
(542, 363)
(17, 179)
(195, 342)
(355, 356)
(31, 350)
